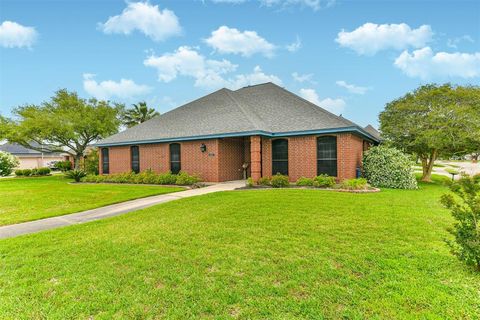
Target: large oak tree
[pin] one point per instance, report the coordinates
(433, 121)
(65, 123)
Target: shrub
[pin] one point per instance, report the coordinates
(304, 182)
(389, 168)
(145, 177)
(34, 172)
(279, 181)
(166, 178)
(43, 171)
(355, 184)
(76, 175)
(27, 172)
(264, 181)
(324, 181)
(465, 208)
(250, 182)
(19, 172)
(7, 163)
(184, 179)
(91, 162)
(63, 166)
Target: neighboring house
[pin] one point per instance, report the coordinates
(30, 159)
(264, 127)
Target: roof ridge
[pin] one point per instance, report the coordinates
(257, 122)
(318, 108)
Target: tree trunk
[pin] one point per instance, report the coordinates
(427, 166)
(475, 157)
(78, 158)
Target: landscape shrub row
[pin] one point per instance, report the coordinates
(32, 172)
(145, 177)
(321, 181)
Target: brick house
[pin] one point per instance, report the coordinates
(262, 130)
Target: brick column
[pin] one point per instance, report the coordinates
(256, 157)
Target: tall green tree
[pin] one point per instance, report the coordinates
(433, 121)
(138, 114)
(66, 121)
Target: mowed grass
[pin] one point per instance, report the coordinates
(260, 254)
(27, 199)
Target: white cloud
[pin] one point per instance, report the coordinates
(209, 74)
(333, 105)
(352, 88)
(312, 4)
(302, 77)
(14, 35)
(256, 77)
(295, 46)
(186, 61)
(146, 18)
(105, 90)
(453, 43)
(246, 43)
(370, 38)
(424, 64)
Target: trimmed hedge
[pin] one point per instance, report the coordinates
(389, 168)
(37, 172)
(145, 177)
(354, 184)
(279, 181)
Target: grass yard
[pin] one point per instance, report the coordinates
(27, 199)
(269, 254)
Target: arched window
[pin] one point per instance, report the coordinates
(175, 166)
(135, 159)
(280, 156)
(327, 155)
(105, 161)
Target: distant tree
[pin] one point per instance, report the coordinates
(138, 114)
(66, 121)
(433, 121)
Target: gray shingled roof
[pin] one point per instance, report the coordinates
(17, 149)
(260, 109)
(374, 132)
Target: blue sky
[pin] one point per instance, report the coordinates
(350, 57)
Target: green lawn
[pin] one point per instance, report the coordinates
(26, 199)
(268, 254)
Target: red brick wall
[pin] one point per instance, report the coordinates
(119, 158)
(203, 164)
(155, 157)
(349, 155)
(302, 157)
(224, 157)
(266, 157)
(231, 157)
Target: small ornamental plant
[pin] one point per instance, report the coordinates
(304, 182)
(279, 181)
(354, 184)
(324, 181)
(7, 163)
(464, 205)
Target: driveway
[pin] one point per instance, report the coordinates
(111, 210)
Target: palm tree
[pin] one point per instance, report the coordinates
(138, 114)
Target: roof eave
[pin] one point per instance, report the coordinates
(353, 129)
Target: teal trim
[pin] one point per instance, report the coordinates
(354, 129)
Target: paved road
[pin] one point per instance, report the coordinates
(110, 211)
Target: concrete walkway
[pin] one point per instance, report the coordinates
(110, 211)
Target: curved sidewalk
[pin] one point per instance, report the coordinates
(110, 211)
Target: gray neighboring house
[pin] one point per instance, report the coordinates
(30, 159)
